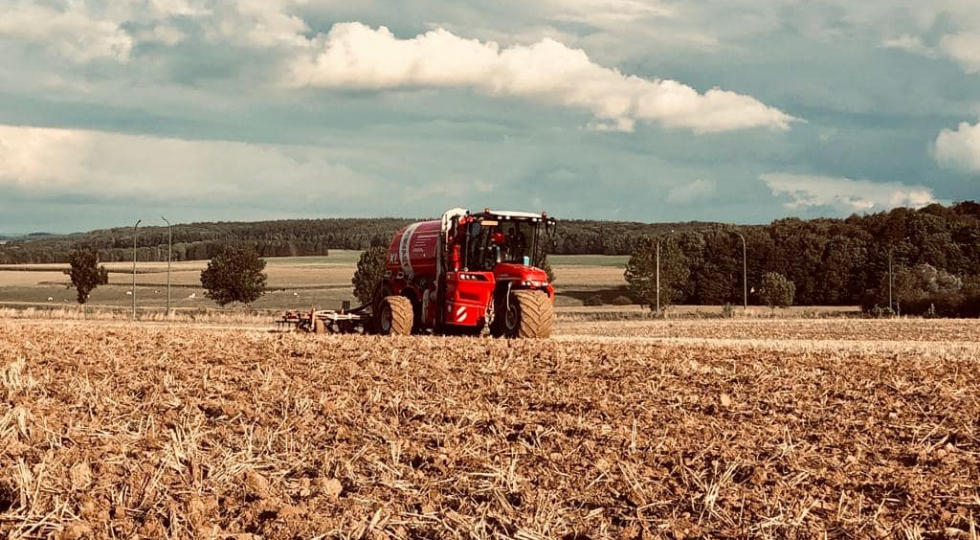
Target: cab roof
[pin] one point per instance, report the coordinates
(509, 214)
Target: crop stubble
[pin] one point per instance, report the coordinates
(185, 433)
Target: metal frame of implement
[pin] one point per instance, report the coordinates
(345, 321)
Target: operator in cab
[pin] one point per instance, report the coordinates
(516, 244)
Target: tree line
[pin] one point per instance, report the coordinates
(297, 238)
(934, 254)
(202, 241)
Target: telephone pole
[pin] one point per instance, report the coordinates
(658, 276)
(170, 247)
(658, 272)
(891, 306)
(745, 274)
(134, 266)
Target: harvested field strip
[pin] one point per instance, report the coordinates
(194, 434)
(948, 348)
(967, 330)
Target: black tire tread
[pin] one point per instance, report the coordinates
(402, 315)
(537, 314)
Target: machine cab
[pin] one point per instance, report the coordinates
(504, 243)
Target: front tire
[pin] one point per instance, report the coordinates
(528, 314)
(395, 316)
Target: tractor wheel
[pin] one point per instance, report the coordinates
(530, 314)
(395, 316)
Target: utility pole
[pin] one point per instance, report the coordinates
(890, 305)
(134, 266)
(170, 247)
(658, 276)
(658, 272)
(745, 274)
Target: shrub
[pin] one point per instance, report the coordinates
(777, 291)
(622, 300)
(594, 300)
(545, 265)
(370, 270)
(234, 274)
(879, 312)
(85, 272)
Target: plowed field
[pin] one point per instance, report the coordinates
(156, 432)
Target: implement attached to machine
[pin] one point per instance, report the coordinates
(459, 275)
(321, 321)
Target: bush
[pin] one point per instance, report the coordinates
(594, 300)
(545, 265)
(622, 300)
(234, 274)
(879, 312)
(777, 291)
(85, 272)
(958, 304)
(370, 270)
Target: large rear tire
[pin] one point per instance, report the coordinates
(395, 316)
(528, 314)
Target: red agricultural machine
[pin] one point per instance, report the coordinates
(458, 275)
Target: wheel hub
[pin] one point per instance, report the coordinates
(510, 318)
(386, 318)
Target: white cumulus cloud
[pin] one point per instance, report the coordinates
(70, 32)
(909, 44)
(352, 55)
(50, 161)
(959, 149)
(844, 194)
(964, 48)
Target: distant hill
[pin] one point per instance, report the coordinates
(299, 237)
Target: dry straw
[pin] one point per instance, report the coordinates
(158, 432)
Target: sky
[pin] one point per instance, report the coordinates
(741, 111)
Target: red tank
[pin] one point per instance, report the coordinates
(414, 249)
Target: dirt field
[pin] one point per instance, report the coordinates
(611, 430)
(294, 282)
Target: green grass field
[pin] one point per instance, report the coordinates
(618, 261)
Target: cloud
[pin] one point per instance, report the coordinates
(958, 20)
(598, 12)
(167, 35)
(70, 33)
(844, 195)
(959, 149)
(355, 56)
(691, 191)
(964, 48)
(909, 44)
(44, 162)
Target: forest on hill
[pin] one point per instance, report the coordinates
(299, 237)
(934, 253)
(829, 261)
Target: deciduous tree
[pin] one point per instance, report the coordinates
(234, 274)
(85, 272)
(776, 290)
(370, 271)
